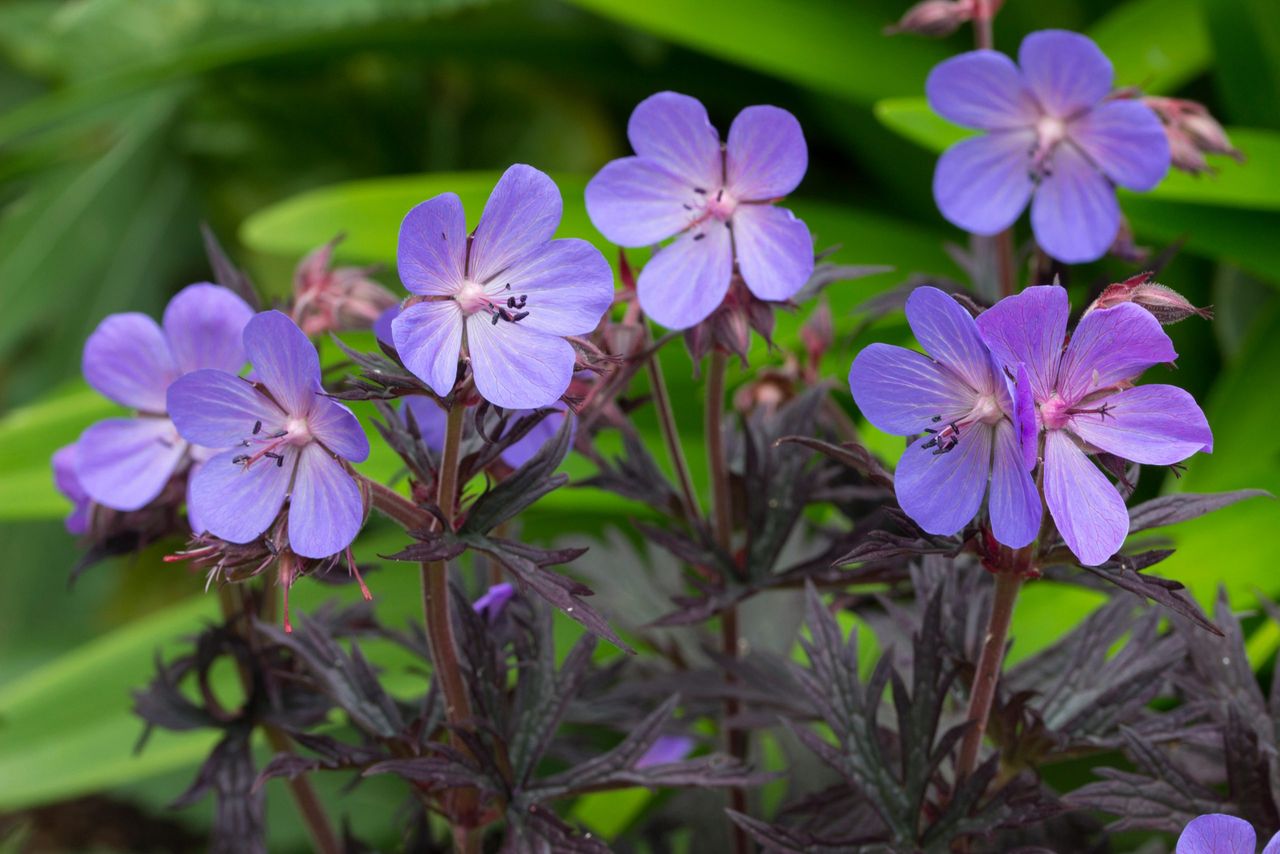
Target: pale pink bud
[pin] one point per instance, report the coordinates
(934, 18)
(817, 333)
(331, 299)
(1165, 304)
(1192, 133)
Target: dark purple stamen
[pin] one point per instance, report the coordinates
(242, 458)
(700, 191)
(257, 427)
(700, 235)
(945, 439)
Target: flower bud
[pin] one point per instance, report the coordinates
(331, 299)
(817, 334)
(934, 18)
(1167, 305)
(1192, 133)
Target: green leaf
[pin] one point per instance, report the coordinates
(1157, 45)
(1246, 38)
(833, 46)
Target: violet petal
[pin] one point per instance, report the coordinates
(947, 333)
(674, 132)
(568, 284)
(981, 89)
(1029, 328)
(1127, 142)
(901, 391)
(635, 202)
(1065, 71)
(1074, 212)
(325, 508)
(1109, 346)
(775, 251)
(942, 492)
(982, 184)
(687, 279)
(521, 215)
(204, 325)
(522, 450)
(428, 337)
(124, 463)
(1217, 834)
(237, 503)
(517, 368)
(217, 410)
(284, 360)
(1014, 501)
(432, 246)
(766, 155)
(1156, 425)
(127, 359)
(337, 428)
(1085, 506)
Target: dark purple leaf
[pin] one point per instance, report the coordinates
(850, 454)
(1170, 509)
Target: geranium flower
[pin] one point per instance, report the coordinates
(68, 483)
(1053, 137)
(285, 438)
(508, 294)
(1222, 834)
(957, 401)
(124, 463)
(1086, 402)
(716, 201)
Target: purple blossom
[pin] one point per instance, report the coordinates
(682, 183)
(1053, 136)
(494, 600)
(431, 420)
(665, 750)
(1085, 402)
(285, 438)
(508, 294)
(1222, 834)
(957, 401)
(124, 463)
(68, 483)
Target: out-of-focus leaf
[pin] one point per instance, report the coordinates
(829, 45)
(1155, 44)
(1179, 507)
(1246, 42)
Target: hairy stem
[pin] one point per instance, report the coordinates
(988, 673)
(671, 435)
(308, 803)
(722, 528)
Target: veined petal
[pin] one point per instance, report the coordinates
(1085, 506)
(515, 367)
(1074, 212)
(337, 428)
(127, 359)
(217, 410)
(1156, 425)
(947, 333)
(687, 279)
(428, 337)
(766, 155)
(981, 89)
(775, 250)
(1272, 846)
(124, 462)
(237, 503)
(1217, 834)
(521, 215)
(1109, 346)
(673, 131)
(1014, 501)
(1029, 329)
(1065, 71)
(65, 461)
(982, 184)
(382, 326)
(284, 360)
(943, 492)
(325, 507)
(568, 283)
(204, 325)
(1126, 141)
(432, 246)
(635, 202)
(1024, 417)
(903, 392)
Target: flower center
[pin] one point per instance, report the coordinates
(1055, 412)
(1050, 131)
(473, 297)
(716, 205)
(269, 446)
(986, 410)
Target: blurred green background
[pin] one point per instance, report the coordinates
(124, 124)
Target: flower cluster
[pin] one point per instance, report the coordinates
(1006, 395)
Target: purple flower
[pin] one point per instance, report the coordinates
(495, 599)
(1222, 834)
(124, 463)
(65, 479)
(682, 183)
(431, 419)
(957, 397)
(1085, 402)
(665, 750)
(507, 293)
(1053, 136)
(285, 438)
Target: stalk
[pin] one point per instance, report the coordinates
(988, 675)
(304, 796)
(984, 39)
(671, 435)
(722, 528)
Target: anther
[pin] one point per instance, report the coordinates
(700, 235)
(515, 318)
(700, 191)
(257, 427)
(238, 460)
(719, 194)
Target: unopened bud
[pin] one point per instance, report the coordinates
(934, 18)
(1165, 304)
(817, 333)
(331, 299)
(1192, 132)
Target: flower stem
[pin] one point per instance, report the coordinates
(667, 421)
(722, 527)
(308, 803)
(988, 673)
(983, 37)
